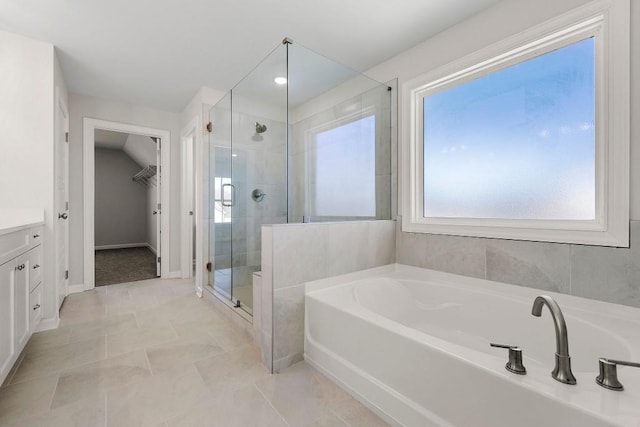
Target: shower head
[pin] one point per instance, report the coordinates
(260, 128)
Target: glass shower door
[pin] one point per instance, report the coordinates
(258, 172)
(220, 198)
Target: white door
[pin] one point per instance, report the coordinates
(159, 207)
(61, 226)
(188, 206)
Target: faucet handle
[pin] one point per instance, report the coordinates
(515, 358)
(608, 377)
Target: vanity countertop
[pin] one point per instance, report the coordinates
(15, 219)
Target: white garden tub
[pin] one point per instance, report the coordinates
(413, 345)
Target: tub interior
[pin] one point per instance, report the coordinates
(474, 319)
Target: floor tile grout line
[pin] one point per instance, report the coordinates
(55, 389)
(271, 404)
(146, 356)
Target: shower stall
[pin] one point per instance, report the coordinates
(299, 139)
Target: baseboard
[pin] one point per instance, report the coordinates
(152, 249)
(174, 275)
(47, 324)
(122, 246)
(74, 289)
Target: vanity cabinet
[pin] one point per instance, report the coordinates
(20, 293)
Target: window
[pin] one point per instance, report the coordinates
(531, 143)
(222, 196)
(516, 143)
(343, 169)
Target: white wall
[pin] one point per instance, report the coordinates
(28, 76)
(121, 204)
(81, 106)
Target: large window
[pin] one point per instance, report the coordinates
(529, 142)
(516, 143)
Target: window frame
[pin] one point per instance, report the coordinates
(608, 23)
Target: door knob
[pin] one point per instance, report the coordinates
(63, 215)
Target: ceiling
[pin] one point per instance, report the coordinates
(110, 139)
(158, 53)
(142, 149)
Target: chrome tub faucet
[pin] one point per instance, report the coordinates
(562, 371)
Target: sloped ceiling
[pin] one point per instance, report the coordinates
(141, 149)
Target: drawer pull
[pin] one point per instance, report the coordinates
(37, 306)
(35, 236)
(36, 266)
(20, 267)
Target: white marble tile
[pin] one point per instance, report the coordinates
(533, 264)
(288, 322)
(300, 253)
(604, 274)
(26, 399)
(382, 241)
(411, 248)
(94, 379)
(301, 395)
(43, 362)
(348, 247)
(455, 254)
(243, 407)
(156, 399)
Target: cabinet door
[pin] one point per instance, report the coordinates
(7, 345)
(21, 301)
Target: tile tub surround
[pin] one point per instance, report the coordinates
(294, 254)
(152, 353)
(596, 272)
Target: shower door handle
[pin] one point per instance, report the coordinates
(232, 200)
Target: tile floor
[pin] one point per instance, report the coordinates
(150, 353)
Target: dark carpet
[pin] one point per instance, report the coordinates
(124, 265)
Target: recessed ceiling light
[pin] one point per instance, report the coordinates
(280, 80)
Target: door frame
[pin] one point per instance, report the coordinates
(61, 145)
(89, 127)
(194, 130)
(187, 164)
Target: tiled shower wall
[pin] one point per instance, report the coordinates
(293, 254)
(596, 272)
(302, 153)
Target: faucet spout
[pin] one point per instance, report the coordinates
(562, 371)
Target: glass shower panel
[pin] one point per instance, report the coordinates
(220, 198)
(339, 159)
(258, 172)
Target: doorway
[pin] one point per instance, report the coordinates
(136, 236)
(127, 186)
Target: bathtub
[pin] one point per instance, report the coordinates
(413, 345)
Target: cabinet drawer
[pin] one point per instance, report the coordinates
(13, 244)
(35, 236)
(35, 267)
(35, 308)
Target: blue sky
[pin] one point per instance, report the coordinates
(516, 143)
